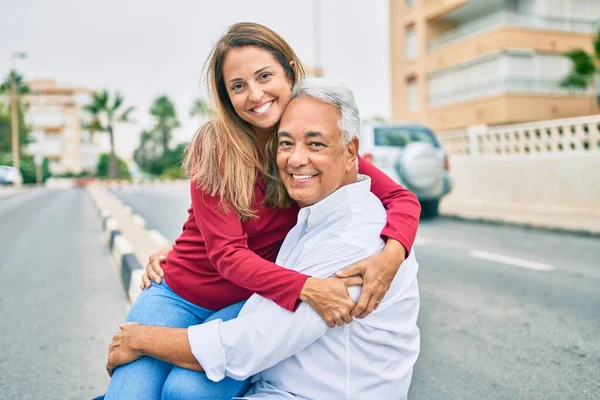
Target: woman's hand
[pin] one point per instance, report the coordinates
(154, 270)
(330, 299)
(378, 272)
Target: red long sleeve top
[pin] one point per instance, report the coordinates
(219, 260)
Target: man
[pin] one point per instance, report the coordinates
(295, 355)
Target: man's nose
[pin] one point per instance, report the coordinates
(298, 157)
(256, 94)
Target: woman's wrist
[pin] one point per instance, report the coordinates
(307, 289)
(395, 250)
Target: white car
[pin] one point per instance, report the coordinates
(412, 156)
(10, 175)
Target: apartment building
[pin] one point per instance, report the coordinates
(56, 116)
(456, 63)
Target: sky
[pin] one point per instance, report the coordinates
(146, 48)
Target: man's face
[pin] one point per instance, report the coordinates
(311, 158)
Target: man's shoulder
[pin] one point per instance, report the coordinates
(364, 224)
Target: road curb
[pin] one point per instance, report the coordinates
(121, 252)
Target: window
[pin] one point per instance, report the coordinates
(410, 43)
(411, 94)
(400, 136)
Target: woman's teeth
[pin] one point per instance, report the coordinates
(262, 109)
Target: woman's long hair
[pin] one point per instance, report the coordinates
(224, 156)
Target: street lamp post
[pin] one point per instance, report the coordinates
(14, 115)
(317, 68)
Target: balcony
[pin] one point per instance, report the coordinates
(437, 8)
(509, 18)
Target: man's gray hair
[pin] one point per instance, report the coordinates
(338, 95)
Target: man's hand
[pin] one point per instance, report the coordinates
(330, 299)
(154, 270)
(121, 350)
(378, 272)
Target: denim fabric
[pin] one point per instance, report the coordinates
(149, 378)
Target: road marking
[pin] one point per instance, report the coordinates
(518, 262)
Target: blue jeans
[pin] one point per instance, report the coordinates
(149, 378)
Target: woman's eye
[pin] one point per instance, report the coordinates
(236, 87)
(265, 75)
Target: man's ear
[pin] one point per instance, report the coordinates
(352, 150)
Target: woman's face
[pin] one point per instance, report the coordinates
(257, 86)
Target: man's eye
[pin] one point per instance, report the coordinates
(317, 145)
(285, 144)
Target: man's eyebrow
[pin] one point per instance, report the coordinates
(258, 71)
(313, 134)
(284, 134)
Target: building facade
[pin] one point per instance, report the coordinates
(56, 117)
(456, 63)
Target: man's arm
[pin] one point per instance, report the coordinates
(167, 344)
(265, 333)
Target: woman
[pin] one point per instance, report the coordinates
(240, 216)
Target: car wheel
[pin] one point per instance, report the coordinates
(429, 208)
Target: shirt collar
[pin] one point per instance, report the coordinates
(345, 195)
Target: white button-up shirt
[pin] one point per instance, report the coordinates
(296, 355)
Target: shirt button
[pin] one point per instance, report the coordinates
(310, 224)
(283, 259)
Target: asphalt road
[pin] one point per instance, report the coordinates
(60, 299)
(506, 312)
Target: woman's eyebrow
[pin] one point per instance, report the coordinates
(258, 71)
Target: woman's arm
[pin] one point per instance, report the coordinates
(378, 271)
(227, 248)
(403, 208)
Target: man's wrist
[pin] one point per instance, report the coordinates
(139, 338)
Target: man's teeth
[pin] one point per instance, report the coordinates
(302, 176)
(263, 108)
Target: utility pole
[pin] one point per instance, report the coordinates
(14, 114)
(317, 68)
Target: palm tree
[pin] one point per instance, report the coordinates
(583, 68)
(166, 118)
(202, 108)
(22, 87)
(108, 111)
(94, 124)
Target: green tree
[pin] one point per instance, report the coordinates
(103, 167)
(202, 108)
(5, 120)
(109, 112)
(22, 87)
(583, 68)
(147, 150)
(27, 167)
(164, 112)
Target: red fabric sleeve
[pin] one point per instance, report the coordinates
(227, 248)
(403, 208)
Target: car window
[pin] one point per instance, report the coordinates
(400, 136)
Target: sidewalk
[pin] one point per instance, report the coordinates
(567, 220)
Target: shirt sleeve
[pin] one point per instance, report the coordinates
(265, 334)
(227, 249)
(402, 207)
